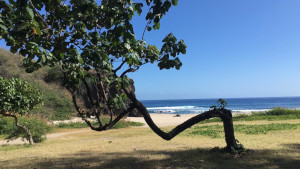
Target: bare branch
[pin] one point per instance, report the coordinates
(168, 136)
(127, 71)
(119, 117)
(88, 92)
(174, 132)
(118, 68)
(102, 86)
(98, 118)
(38, 13)
(148, 23)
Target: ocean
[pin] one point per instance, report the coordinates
(237, 105)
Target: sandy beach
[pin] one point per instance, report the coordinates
(163, 120)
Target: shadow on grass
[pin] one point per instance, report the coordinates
(190, 158)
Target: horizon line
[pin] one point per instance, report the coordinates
(224, 98)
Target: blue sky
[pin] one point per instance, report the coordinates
(235, 48)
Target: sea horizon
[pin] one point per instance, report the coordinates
(236, 105)
(224, 98)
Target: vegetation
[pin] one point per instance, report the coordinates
(215, 131)
(17, 97)
(121, 124)
(57, 101)
(96, 40)
(141, 148)
(38, 129)
(270, 115)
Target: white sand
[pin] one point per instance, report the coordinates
(163, 120)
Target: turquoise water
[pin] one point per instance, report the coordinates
(188, 106)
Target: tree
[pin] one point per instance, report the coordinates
(17, 97)
(95, 46)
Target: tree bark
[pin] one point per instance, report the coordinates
(29, 138)
(228, 130)
(224, 114)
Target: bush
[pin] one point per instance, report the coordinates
(53, 75)
(282, 111)
(57, 104)
(38, 128)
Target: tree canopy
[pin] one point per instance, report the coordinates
(88, 36)
(17, 97)
(95, 46)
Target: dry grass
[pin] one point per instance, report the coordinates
(140, 148)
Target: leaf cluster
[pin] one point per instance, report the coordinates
(18, 96)
(85, 35)
(88, 39)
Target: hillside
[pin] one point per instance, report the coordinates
(57, 101)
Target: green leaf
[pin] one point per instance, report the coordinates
(3, 27)
(127, 46)
(44, 59)
(174, 2)
(156, 26)
(23, 26)
(30, 12)
(80, 60)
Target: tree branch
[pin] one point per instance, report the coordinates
(88, 92)
(169, 135)
(20, 126)
(104, 94)
(38, 13)
(118, 68)
(178, 129)
(119, 117)
(128, 70)
(148, 23)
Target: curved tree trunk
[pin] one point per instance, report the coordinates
(228, 130)
(29, 138)
(222, 113)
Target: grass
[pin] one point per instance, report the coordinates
(270, 115)
(120, 124)
(141, 148)
(213, 131)
(15, 147)
(216, 131)
(264, 129)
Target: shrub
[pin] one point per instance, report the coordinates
(38, 129)
(53, 75)
(282, 111)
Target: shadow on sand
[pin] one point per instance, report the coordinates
(192, 158)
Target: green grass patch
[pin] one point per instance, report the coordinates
(120, 124)
(213, 131)
(14, 147)
(264, 128)
(57, 106)
(270, 115)
(216, 131)
(132, 123)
